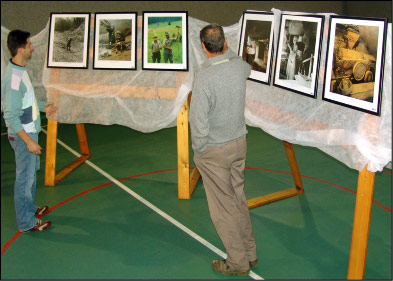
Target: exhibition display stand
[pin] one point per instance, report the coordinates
(149, 101)
(187, 183)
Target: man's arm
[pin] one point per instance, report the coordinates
(32, 146)
(199, 120)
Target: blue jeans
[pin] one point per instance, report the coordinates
(26, 164)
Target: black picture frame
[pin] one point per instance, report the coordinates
(157, 24)
(68, 43)
(355, 63)
(298, 53)
(256, 44)
(115, 41)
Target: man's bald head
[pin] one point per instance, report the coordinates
(213, 37)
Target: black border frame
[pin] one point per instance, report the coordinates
(271, 52)
(134, 44)
(382, 60)
(144, 44)
(317, 61)
(86, 47)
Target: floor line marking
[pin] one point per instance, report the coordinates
(155, 209)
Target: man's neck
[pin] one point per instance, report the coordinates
(18, 60)
(212, 55)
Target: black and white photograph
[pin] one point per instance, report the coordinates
(68, 40)
(165, 41)
(355, 60)
(115, 41)
(298, 53)
(255, 44)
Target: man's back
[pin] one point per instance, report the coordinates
(218, 101)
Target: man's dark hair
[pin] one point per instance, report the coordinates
(213, 37)
(17, 39)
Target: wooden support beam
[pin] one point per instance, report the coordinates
(186, 182)
(275, 196)
(183, 161)
(51, 146)
(298, 189)
(51, 178)
(294, 167)
(361, 225)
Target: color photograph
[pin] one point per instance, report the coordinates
(115, 41)
(165, 41)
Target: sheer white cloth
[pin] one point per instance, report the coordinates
(148, 101)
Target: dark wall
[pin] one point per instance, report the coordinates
(34, 15)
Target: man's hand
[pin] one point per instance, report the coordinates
(50, 108)
(32, 146)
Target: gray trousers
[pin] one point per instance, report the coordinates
(222, 171)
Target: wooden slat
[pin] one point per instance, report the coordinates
(293, 165)
(50, 162)
(67, 170)
(82, 137)
(51, 178)
(183, 161)
(265, 199)
(298, 189)
(194, 178)
(361, 225)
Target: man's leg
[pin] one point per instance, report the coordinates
(237, 174)
(25, 183)
(215, 168)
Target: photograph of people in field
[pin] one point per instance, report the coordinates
(166, 31)
(165, 41)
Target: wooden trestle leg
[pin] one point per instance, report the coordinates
(186, 181)
(51, 178)
(361, 225)
(298, 189)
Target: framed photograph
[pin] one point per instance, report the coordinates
(165, 41)
(298, 53)
(256, 44)
(68, 42)
(115, 41)
(355, 62)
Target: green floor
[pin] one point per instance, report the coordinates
(106, 233)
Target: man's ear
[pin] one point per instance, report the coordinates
(204, 47)
(225, 45)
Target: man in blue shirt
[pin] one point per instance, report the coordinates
(22, 118)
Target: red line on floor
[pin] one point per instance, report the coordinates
(16, 235)
(9, 242)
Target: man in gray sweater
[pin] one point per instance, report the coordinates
(218, 133)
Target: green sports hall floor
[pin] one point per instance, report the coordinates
(137, 228)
